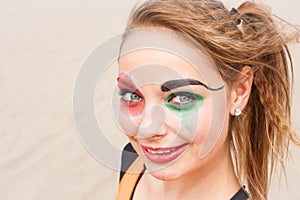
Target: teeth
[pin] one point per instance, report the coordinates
(160, 151)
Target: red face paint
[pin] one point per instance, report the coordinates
(132, 101)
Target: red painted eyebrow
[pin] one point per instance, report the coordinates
(124, 81)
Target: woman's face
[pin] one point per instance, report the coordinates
(174, 114)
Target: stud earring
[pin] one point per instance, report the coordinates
(237, 112)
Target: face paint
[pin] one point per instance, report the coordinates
(186, 105)
(132, 101)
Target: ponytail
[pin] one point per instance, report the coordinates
(262, 134)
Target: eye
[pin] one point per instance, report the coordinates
(183, 100)
(130, 96)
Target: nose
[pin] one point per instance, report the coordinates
(152, 122)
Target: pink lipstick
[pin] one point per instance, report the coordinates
(163, 155)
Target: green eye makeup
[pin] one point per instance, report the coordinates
(183, 101)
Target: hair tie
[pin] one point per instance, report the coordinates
(239, 20)
(234, 11)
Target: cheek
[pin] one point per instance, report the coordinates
(128, 122)
(200, 123)
(133, 109)
(193, 124)
(213, 128)
(130, 114)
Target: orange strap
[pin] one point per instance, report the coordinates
(130, 179)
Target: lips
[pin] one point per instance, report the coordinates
(163, 155)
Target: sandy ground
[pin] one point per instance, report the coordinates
(42, 47)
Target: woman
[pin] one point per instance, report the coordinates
(204, 100)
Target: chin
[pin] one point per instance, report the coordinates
(166, 174)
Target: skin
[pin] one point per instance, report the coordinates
(188, 177)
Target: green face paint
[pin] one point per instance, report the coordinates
(186, 106)
(183, 101)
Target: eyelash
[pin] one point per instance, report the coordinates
(190, 102)
(124, 92)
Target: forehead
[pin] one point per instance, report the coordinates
(168, 54)
(158, 60)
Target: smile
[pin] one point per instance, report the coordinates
(163, 155)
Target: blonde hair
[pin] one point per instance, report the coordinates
(260, 136)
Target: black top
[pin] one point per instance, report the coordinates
(128, 158)
(242, 194)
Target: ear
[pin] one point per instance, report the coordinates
(241, 89)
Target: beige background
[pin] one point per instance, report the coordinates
(42, 47)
